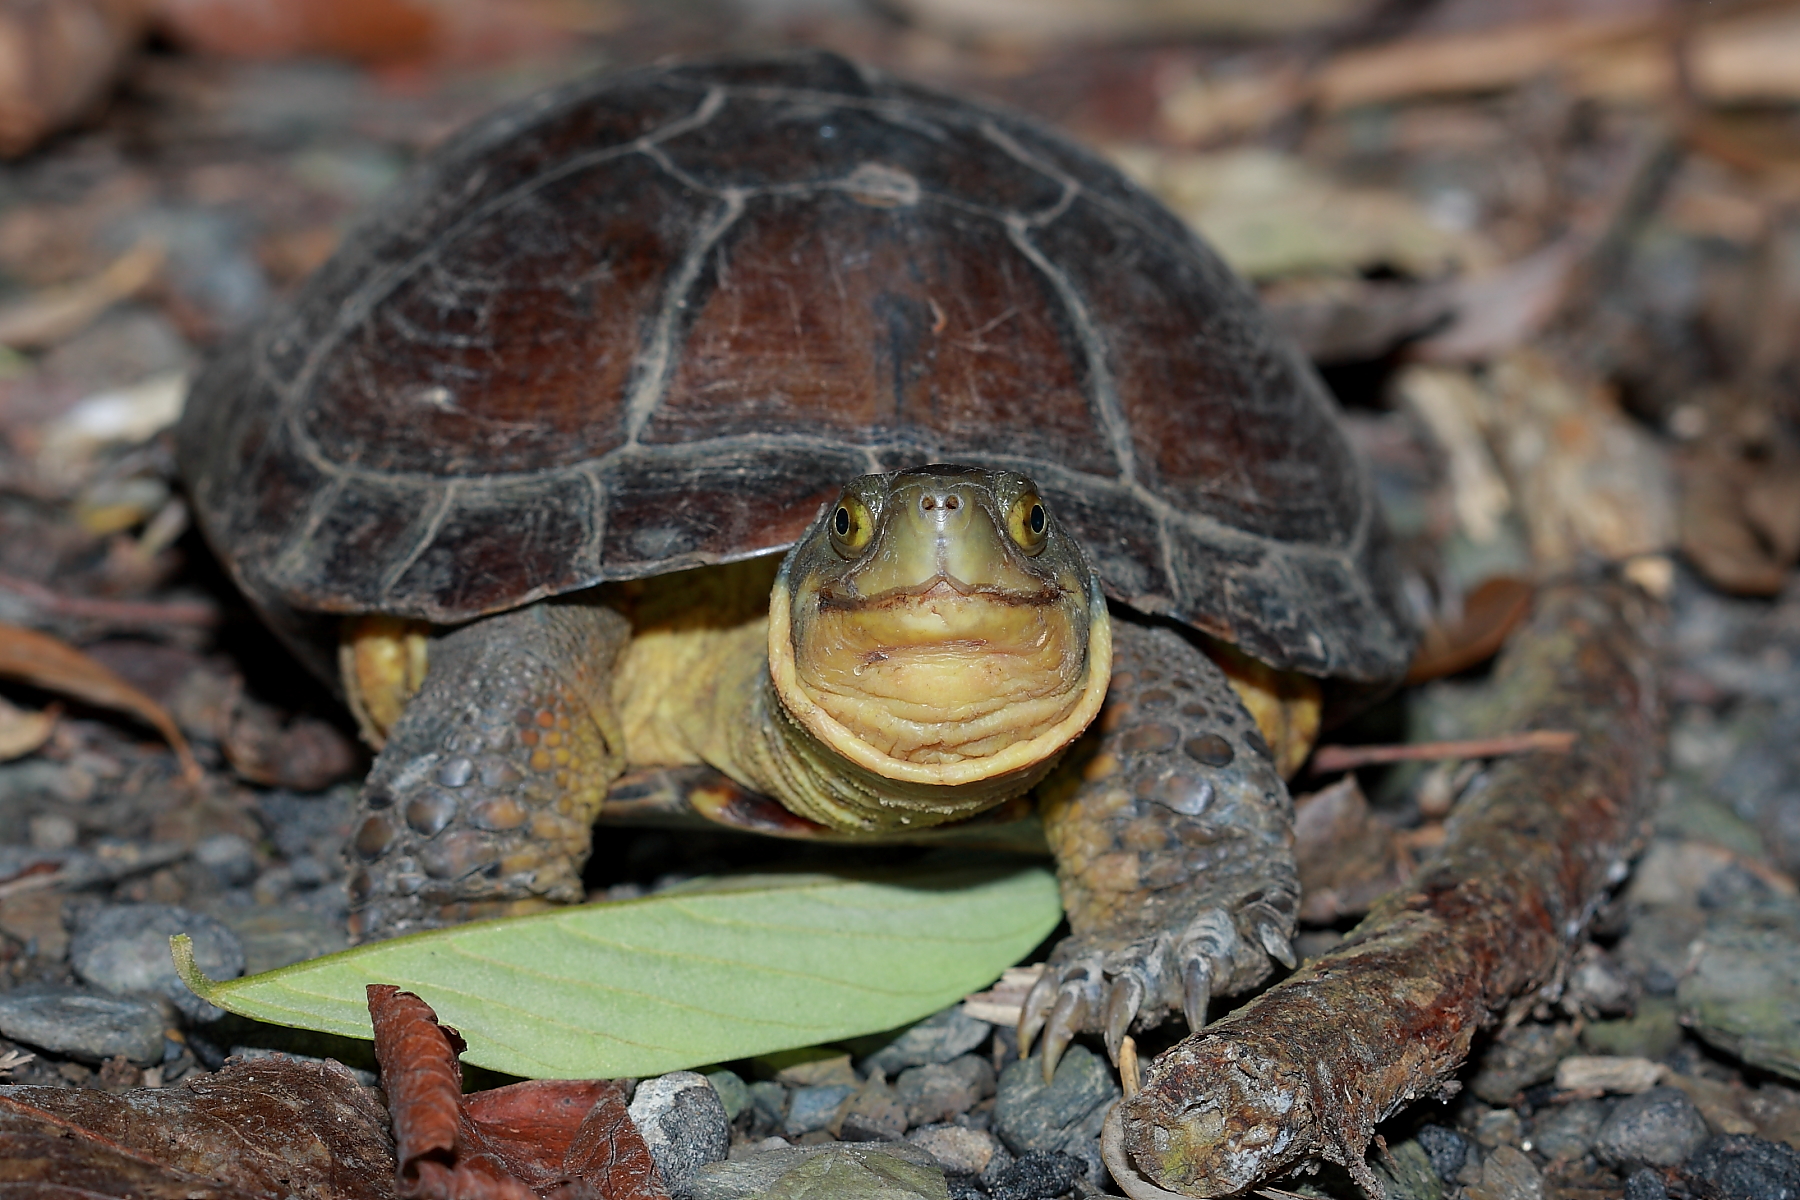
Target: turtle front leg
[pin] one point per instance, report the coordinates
(1175, 850)
(481, 803)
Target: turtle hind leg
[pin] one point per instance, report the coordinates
(481, 802)
(1174, 846)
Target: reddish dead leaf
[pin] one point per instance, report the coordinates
(571, 1139)
(59, 58)
(372, 30)
(46, 662)
(1327, 760)
(263, 1129)
(1346, 854)
(1490, 612)
(1720, 536)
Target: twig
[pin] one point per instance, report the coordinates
(1329, 759)
(1309, 1068)
(132, 613)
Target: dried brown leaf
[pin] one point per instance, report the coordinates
(1347, 855)
(57, 59)
(262, 1129)
(22, 731)
(49, 663)
(56, 313)
(1718, 535)
(555, 1137)
(1489, 613)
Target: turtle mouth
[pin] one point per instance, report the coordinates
(942, 586)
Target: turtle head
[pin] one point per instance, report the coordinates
(939, 626)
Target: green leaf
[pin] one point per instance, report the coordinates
(715, 971)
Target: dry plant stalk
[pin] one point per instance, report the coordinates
(1484, 932)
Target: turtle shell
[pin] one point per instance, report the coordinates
(653, 320)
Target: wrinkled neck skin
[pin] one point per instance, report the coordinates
(934, 663)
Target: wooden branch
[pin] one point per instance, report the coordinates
(1327, 760)
(1308, 1069)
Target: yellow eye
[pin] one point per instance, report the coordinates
(851, 526)
(1028, 522)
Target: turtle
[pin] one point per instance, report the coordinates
(789, 444)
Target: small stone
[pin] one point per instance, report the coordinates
(1598, 984)
(872, 1114)
(1658, 1128)
(684, 1125)
(1566, 1132)
(1508, 1174)
(1651, 1032)
(1066, 1115)
(768, 1105)
(1745, 1168)
(734, 1093)
(82, 1024)
(229, 858)
(937, 1039)
(850, 1171)
(125, 948)
(939, 1091)
(812, 1108)
(1446, 1148)
(1744, 987)
(277, 936)
(1603, 1073)
(1645, 1184)
(1656, 947)
(1037, 1175)
(1498, 1127)
(958, 1149)
(1519, 1057)
(1408, 1173)
(53, 831)
(809, 1067)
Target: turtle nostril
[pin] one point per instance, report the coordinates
(948, 503)
(952, 502)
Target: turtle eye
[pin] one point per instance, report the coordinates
(1028, 522)
(851, 527)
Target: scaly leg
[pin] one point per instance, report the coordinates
(482, 801)
(1175, 851)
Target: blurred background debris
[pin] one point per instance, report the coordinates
(1546, 252)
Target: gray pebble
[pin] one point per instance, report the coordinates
(274, 937)
(1567, 1131)
(229, 858)
(958, 1149)
(1744, 987)
(1746, 1168)
(938, 1091)
(872, 1114)
(1645, 1184)
(684, 1124)
(1066, 1115)
(1519, 1057)
(768, 1106)
(1509, 1174)
(734, 1093)
(125, 948)
(937, 1039)
(83, 1025)
(1446, 1148)
(846, 1171)
(811, 1108)
(1037, 1175)
(1657, 1128)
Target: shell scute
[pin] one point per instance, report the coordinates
(820, 313)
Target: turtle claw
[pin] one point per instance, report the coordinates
(1122, 1002)
(1196, 991)
(1065, 1022)
(1277, 944)
(1036, 1009)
